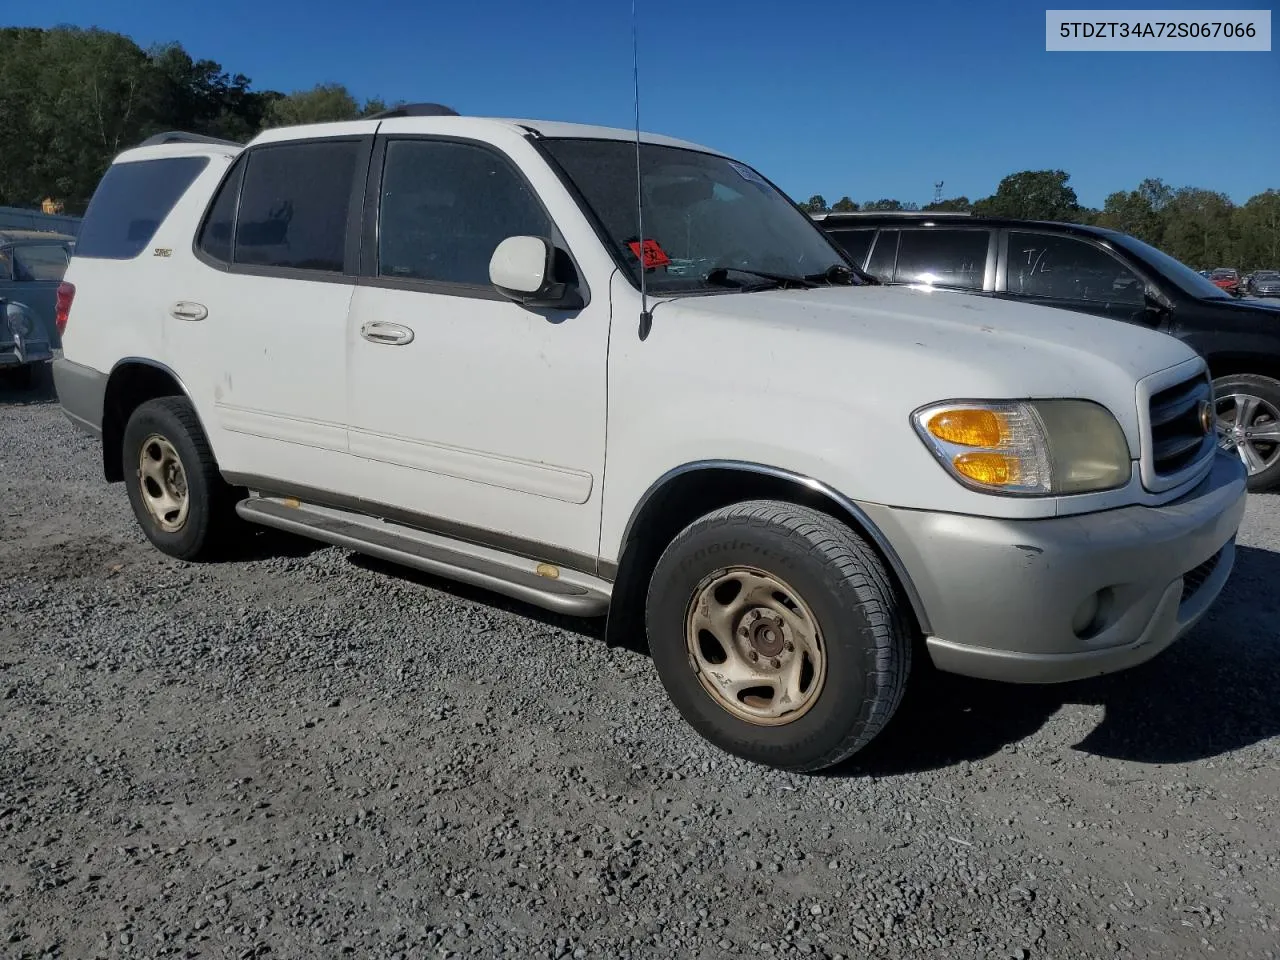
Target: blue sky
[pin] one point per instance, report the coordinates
(872, 100)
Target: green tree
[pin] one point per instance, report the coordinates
(953, 205)
(815, 204)
(1032, 195)
(323, 103)
(1256, 226)
(883, 205)
(1197, 228)
(844, 205)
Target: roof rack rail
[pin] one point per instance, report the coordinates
(890, 213)
(415, 110)
(179, 136)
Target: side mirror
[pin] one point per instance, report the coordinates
(523, 269)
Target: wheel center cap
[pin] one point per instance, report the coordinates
(766, 632)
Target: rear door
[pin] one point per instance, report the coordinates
(1073, 273)
(259, 316)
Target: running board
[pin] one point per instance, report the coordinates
(542, 584)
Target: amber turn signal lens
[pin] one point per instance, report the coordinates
(969, 428)
(993, 469)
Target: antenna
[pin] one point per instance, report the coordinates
(937, 191)
(646, 318)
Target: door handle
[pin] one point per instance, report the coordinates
(394, 334)
(188, 310)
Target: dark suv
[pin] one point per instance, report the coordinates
(1093, 270)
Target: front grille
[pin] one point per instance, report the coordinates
(1178, 436)
(1194, 578)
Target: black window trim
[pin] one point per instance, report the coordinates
(355, 215)
(989, 271)
(369, 230)
(1150, 286)
(875, 244)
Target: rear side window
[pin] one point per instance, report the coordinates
(131, 202)
(294, 206)
(856, 243)
(948, 258)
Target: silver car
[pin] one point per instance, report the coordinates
(1265, 283)
(31, 267)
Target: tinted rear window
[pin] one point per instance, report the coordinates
(856, 243)
(294, 205)
(131, 202)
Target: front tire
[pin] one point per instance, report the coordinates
(1248, 419)
(778, 634)
(178, 496)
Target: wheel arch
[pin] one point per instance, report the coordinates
(688, 491)
(132, 382)
(1228, 364)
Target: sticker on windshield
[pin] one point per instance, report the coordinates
(653, 256)
(747, 173)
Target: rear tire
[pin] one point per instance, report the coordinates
(181, 502)
(743, 598)
(1257, 398)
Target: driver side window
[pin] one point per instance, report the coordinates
(1067, 268)
(444, 209)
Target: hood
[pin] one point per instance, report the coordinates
(897, 348)
(962, 327)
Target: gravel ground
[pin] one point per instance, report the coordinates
(307, 754)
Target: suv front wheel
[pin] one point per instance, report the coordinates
(182, 503)
(778, 634)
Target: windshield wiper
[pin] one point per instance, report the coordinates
(720, 275)
(836, 273)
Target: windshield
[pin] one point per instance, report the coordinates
(1191, 282)
(710, 223)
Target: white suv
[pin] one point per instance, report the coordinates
(420, 336)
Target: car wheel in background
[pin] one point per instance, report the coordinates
(1248, 417)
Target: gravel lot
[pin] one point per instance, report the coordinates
(307, 754)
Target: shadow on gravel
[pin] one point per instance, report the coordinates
(1209, 694)
(40, 392)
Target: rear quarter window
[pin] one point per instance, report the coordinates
(131, 202)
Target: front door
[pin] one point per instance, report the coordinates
(469, 413)
(1074, 274)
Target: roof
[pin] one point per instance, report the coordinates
(969, 219)
(464, 126)
(16, 236)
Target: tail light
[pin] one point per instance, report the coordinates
(62, 310)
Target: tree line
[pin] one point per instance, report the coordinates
(72, 98)
(1202, 228)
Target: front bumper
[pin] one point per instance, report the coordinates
(1004, 598)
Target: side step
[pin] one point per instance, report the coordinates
(542, 584)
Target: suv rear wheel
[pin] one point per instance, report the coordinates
(181, 501)
(1248, 414)
(778, 634)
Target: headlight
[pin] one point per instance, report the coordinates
(1032, 448)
